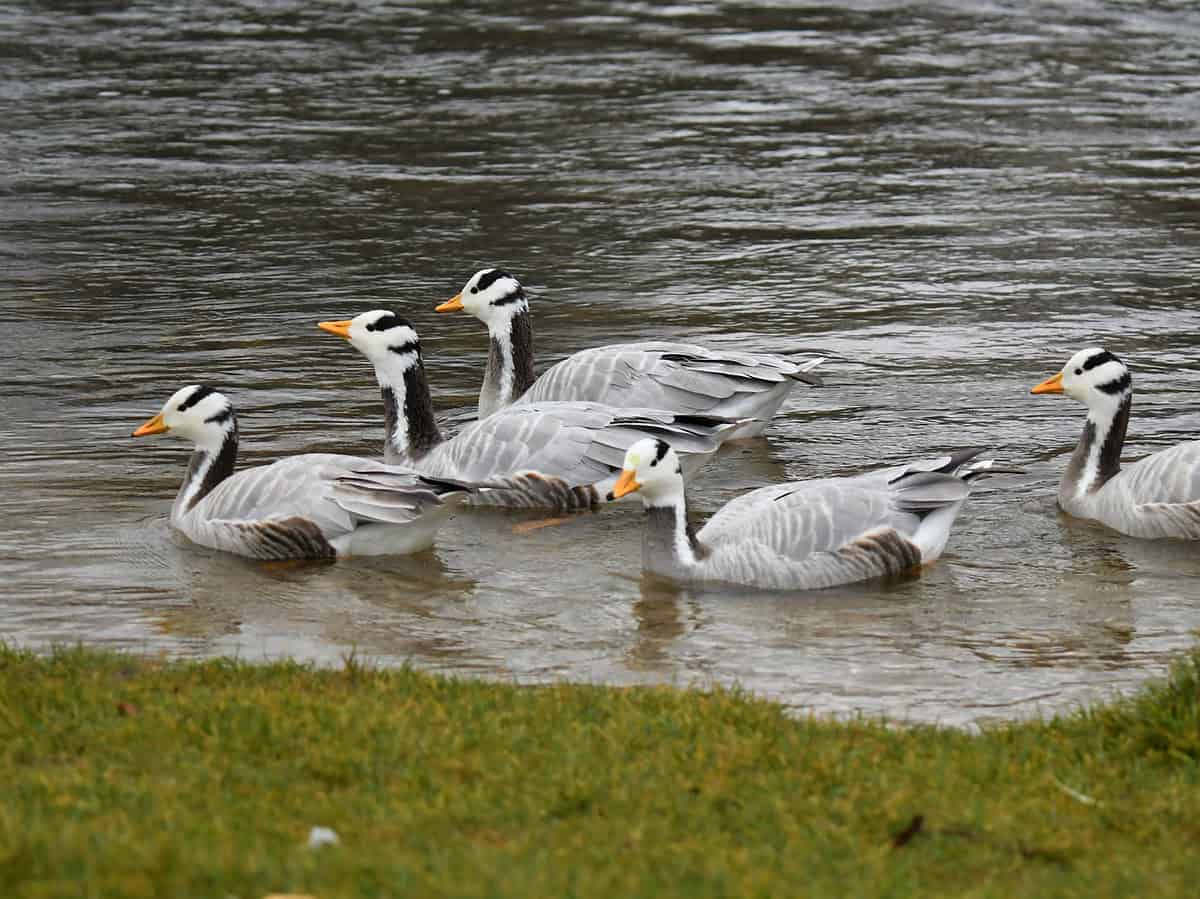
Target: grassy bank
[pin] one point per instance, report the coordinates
(129, 777)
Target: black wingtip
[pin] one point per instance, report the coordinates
(807, 374)
(976, 473)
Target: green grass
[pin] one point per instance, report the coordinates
(122, 776)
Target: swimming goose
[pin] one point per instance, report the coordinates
(680, 377)
(1158, 496)
(311, 506)
(556, 456)
(801, 535)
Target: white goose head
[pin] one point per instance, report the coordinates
(652, 467)
(492, 295)
(197, 413)
(1094, 377)
(385, 338)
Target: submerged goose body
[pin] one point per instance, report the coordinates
(311, 506)
(1158, 496)
(680, 377)
(558, 456)
(802, 535)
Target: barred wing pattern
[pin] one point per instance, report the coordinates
(1158, 496)
(813, 534)
(562, 455)
(309, 506)
(680, 377)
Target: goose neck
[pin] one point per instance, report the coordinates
(671, 546)
(1097, 457)
(211, 463)
(509, 370)
(410, 428)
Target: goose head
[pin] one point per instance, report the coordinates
(651, 467)
(386, 339)
(195, 412)
(1094, 377)
(492, 295)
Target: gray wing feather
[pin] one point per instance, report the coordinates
(924, 491)
(1171, 476)
(681, 377)
(812, 534)
(580, 443)
(510, 442)
(883, 479)
(298, 485)
(875, 553)
(304, 500)
(1158, 496)
(810, 517)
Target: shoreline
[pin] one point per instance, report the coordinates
(132, 776)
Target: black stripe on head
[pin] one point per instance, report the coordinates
(220, 417)
(410, 347)
(488, 278)
(1099, 359)
(660, 450)
(491, 277)
(387, 322)
(195, 396)
(1119, 385)
(515, 297)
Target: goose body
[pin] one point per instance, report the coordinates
(679, 377)
(1158, 496)
(310, 506)
(802, 535)
(561, 456)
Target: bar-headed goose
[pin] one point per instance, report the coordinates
(801, 535)
(1158, 496)
(680, 377)
(311, 506)
(555, 456)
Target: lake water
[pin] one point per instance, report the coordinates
(951, 200)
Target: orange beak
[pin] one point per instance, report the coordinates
(341, 329)
(153, 426)
(1050, 385)
(626, 483)
(454, 304)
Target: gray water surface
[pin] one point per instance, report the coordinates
(950, 199)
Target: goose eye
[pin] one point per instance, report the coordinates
(474, 290)
(1079, 371)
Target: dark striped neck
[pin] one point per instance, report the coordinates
(411, 430)
(670, 546)
(206, 469)
(1097, 458)
(509, 370)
